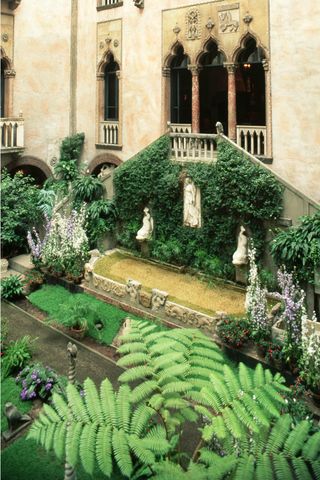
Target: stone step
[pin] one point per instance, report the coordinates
(9, 272)
(21, 263)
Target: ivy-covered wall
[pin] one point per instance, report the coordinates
(233, 192)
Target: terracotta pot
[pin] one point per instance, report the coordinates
(78, 334)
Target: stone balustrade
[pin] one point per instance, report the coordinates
(109, 133)
(109, 3)
(180, 127)
(12, 134)
(193, 147)
(253, 139)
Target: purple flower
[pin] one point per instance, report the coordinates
(48, 387)
(23, 394)
(24, 383)
(34, 376)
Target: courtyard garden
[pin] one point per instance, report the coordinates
(180, 353)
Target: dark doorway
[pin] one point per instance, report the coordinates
(213, 90)
(250, 85)
(181, 88)
(35, 172)
(111, 97)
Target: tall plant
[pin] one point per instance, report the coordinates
(256, 301)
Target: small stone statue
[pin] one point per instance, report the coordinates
(191, 208)
(240, 256)
(219, 128)
(16, 420)
(145, 232)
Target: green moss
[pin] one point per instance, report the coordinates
(10, 392)
(50, 299)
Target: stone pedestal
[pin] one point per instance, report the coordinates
(242, 274)
(144, 247)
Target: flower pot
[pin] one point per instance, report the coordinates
(77, 334)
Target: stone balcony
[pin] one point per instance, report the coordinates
(12, 135)
(193, 147)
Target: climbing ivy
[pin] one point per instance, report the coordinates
(233, 191)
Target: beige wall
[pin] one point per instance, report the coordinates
(41, 86)
(295, 70)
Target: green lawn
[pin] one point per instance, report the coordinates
(54, 299)
(10, 392)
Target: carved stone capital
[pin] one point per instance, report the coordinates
(265, 65)
(166, 71)
(138, 3)
(9, 73)
(231, 68)
(100, 76)
(194, 69)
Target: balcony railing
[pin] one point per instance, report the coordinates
(109, 133)
(253, 139)
(180, 127)
(103, 4)
(12, 134)
(193, 147)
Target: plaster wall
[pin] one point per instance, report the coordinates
(42, 62)
(295, 74)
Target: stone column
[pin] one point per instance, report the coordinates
(268, 140)
(118, 74)
(232, 101)
(195, 98)
(166, 100)
(100, 104)
(9, 76)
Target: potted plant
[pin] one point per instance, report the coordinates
(234, 331)
(75, 319)
(33, 280)
(274, 353)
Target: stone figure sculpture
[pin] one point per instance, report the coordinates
(191, 204)
(16, 421)
(145, 232)
(240, 256)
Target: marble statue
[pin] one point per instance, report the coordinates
(145, 232)
(191, 214)
(240, 256)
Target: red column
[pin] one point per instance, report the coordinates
(195, 99)
(232, 101)
(266, 66)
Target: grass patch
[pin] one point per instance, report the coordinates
(25, 459)
(55, 300)
(10, 392)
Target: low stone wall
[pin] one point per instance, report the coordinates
(156, 301)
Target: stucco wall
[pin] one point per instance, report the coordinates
(295, 70)
(41, 86)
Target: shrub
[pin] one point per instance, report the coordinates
(17, 354)
(101, 218)
(298, 248)
(11, 287)
(234, 331)
(70, 150)
(87, 188)
(19, 210)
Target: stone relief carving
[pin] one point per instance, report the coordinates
(193, 24)
(247, 18)
(190, 317)
(210, 24)
(240, 256)
(109, 286)
(133, 289)
(192, 205)
(4, 37)
(176, 29)
(145, 232)
(229, 18)
(88, 268)
(158, 299)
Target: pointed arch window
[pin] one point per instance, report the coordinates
(111, 93)
(181, 96)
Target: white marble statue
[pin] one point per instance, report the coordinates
(191, 213)
(240, 256)
(145, 232)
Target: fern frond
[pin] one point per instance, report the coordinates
(311, 449)
(136, 358)
(281, 467)
(245, 377)
(296, 439)
(92, 401)
(107, 402)
(245, 468)
(123, 408)
(300, 469)
(140, 419)
(132, 348)
(104, 449)
(232, 381)
(60, 405)
(136, 373)
(72, 442)
(143, 391)
(51, 414)
(143, 454)
(264, 467)
(87, 447)
(122, 452)
(178, 370)
(59, 440)
(177, 386)
(76, 404)
(168, 359)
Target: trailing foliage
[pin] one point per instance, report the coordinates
(70, 150)
(101, 219)
(19, 211)
(232, 191)
(87, 188)
(298, 248)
